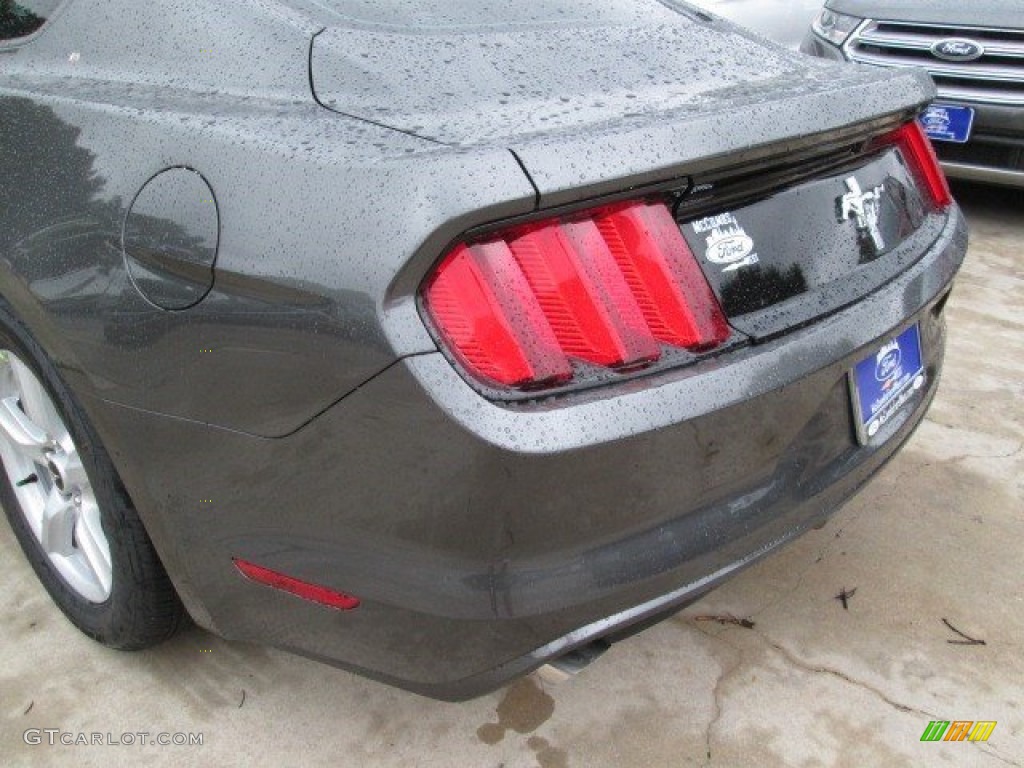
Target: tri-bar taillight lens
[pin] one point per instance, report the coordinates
(920, 155)
(611, 288)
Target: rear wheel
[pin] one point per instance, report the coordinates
(68, 509)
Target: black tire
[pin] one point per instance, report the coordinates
(142, 608)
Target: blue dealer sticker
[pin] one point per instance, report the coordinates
(945, 122)
(884, 382)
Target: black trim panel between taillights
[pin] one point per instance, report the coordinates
(688, 271)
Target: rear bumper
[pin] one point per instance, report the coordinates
(484, 540)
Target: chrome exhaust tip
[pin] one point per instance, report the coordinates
(569, 665)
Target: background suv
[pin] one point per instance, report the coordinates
(974, 52)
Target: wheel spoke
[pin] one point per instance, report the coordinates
(93, 546)
(58, 524)
(71, 470)
(36, 402)
(20, 429)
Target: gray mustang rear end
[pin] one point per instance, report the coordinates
(294, 262)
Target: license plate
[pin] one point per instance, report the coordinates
(884, 383)
(945, 122)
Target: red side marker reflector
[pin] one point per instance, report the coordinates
(303, 589)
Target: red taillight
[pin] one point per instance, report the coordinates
(583, 295)
(303, 589)
(483, 304)
(920, 154)
(675, 299)
(610, 288)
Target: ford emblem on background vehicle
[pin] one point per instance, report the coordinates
(958, 49)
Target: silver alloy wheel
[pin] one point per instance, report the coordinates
(50, 483)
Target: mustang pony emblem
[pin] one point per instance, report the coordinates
(863, 207)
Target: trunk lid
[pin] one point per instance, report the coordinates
(641, 98)
(590, 96)
(494, 78)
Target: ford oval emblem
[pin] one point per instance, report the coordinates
(957, 49)
(730, 249)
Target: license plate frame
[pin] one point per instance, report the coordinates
(884, 382)
(948, 122)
